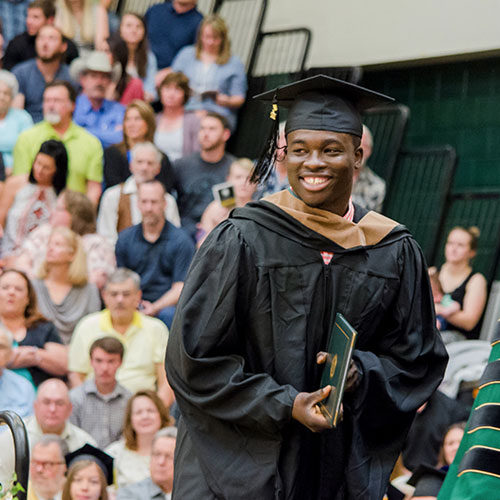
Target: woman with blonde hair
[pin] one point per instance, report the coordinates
(217, 78)
(139, 125)
(145, 415)
(62, 288)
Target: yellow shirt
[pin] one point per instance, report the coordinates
(145, 343)
(84, 153)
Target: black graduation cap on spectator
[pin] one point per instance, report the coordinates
(316, 103)
(427, 481)
(89, 452)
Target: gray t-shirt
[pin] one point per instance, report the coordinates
(195, 178)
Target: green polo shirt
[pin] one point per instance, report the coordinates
(84, 153)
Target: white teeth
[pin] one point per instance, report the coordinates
(314, 180)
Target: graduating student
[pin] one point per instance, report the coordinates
(258, 306)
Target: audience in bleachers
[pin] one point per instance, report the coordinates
(29, 200)
(141, 61)
(144, 338)
(156, 250)
(16, 393)
(119, 205)
(240, 172)
(38, 352)
(76, 211)
(47, 468)
(465, 286)
(198, 172)
(96, 114)
(84, 150)
(138, 126)
(52, 409)
(176, 131)
(22, 47)
(161, 467)
(62, 287)
(144, 417)
(33, 74)
(13, 121)
(218, 79)
(126, 88)
(99, 403)
(170, 27)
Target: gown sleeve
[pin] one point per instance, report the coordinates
(203, 365)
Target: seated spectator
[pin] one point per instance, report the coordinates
(84, 150)
(13, 121)
(90, 471)
(99, 403)
(176, 131)
(197, 173)
(444, 299)
(240, 172)
(138, 126)
(144, 338)
(464, 285)
(369, 189)
(33, 74)
(119, 209)
(38, 352)
(76, 211)
(22, 47)
(16, 393)
(158, 251)
(96, 114)
(126, 88)
(52, 410)
(62, 288)
(47, 468)
(428, 480)
(141, 61)
(87, 23)
(13, 16)
(170, 27)
(29, 200)
(217, 78)
(144, 417)
(161, 468)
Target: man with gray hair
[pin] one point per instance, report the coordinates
(119, 209)
(159, 485)
(16, 392)
(144, 338)
(47, 468)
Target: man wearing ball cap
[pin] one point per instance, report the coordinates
(258, 306)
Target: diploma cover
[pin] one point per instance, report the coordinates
(340, 349)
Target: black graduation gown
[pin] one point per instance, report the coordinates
(257, 306)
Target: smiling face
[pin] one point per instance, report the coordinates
(134, 125)
(451, 444)
(145, 417)
(320, 166)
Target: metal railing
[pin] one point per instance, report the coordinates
(21, 448)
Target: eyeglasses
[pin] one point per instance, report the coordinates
(45, 465)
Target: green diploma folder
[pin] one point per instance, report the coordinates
(340, 349)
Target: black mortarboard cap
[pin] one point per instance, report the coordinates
(89, 452)
(316, 103)
(394, 494)
(427, 481)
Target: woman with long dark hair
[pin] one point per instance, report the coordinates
(29, 199)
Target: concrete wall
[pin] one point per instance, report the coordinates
(379, 31)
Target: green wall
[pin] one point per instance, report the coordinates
(456, 104)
